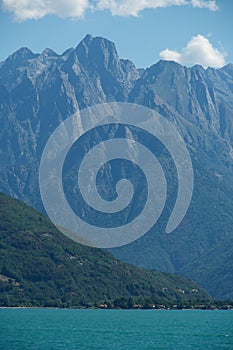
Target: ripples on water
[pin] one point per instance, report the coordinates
(54, 329)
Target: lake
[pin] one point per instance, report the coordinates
(59, 329)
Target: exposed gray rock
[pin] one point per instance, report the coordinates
(39, 91)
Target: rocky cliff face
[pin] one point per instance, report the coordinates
(38, 91)
(202, 97)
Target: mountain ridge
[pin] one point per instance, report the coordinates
(38, 94)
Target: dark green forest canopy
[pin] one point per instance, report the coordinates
(41, 267)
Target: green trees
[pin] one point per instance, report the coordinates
(41, 267)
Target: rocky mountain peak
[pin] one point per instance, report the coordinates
(38, 92)
(49, 53)
(97, 52)
(228, 69)
(22, 55)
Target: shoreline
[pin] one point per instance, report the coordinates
(116, 309)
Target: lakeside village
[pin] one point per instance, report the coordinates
(216, 305)
(179, 304)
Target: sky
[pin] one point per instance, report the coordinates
(144, 31)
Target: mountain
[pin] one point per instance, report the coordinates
(38, 91)
(199, 103)
(41, 267)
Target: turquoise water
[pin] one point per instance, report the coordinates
(51, 329)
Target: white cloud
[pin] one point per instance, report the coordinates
(211, 5)
(134, 7)
(35, 9)
(199, 50)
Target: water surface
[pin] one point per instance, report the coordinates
(56, 329)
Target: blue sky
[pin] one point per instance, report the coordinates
(190, 31)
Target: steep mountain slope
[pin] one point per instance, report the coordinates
(214, 269)
(40, 266)
(38, 91)
(199, 103)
